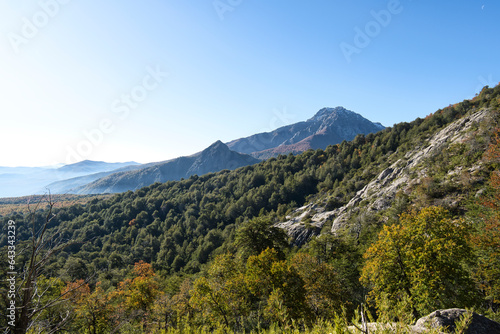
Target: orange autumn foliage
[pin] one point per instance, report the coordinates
(487, 240)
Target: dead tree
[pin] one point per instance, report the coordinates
(43, 245)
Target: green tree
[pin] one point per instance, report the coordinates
(258, 234)
(486, 240)
(222, 295)
(278, 285)
(321, 283)
(341, 252)
(169, 309)
(93, 310)
(55, 318)
(421, 259)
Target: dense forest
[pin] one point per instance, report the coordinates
(205, 253)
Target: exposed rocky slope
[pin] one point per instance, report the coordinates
(379, 194)
(327, 127)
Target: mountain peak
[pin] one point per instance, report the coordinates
(325, 113)
(218, 145)
(216, 149)
(328, 126)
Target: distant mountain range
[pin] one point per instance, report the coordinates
(213, 159)
(22, 181)
(327, 127)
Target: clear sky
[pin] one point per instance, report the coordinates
(152, 80)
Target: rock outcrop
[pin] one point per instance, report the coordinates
(381, 191)
(440, 321)
(303, 223)
(447, 320)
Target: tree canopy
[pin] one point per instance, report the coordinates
(424, 259)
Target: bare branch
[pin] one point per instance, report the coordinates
(43, 246)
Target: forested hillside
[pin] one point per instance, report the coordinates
(206, 250)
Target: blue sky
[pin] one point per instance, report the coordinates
(152, 80)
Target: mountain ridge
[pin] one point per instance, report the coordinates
(214, 158)
(440, 164)
(328, 126)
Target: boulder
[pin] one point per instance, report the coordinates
(447, 319)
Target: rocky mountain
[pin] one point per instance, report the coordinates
(213, 159)
(327, 127)
(438, 174)
(408, 170)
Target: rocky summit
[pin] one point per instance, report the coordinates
(328, 126)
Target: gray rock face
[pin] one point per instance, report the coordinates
(297, 228)
(447, 320)
(381, 191)
(329, 126)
